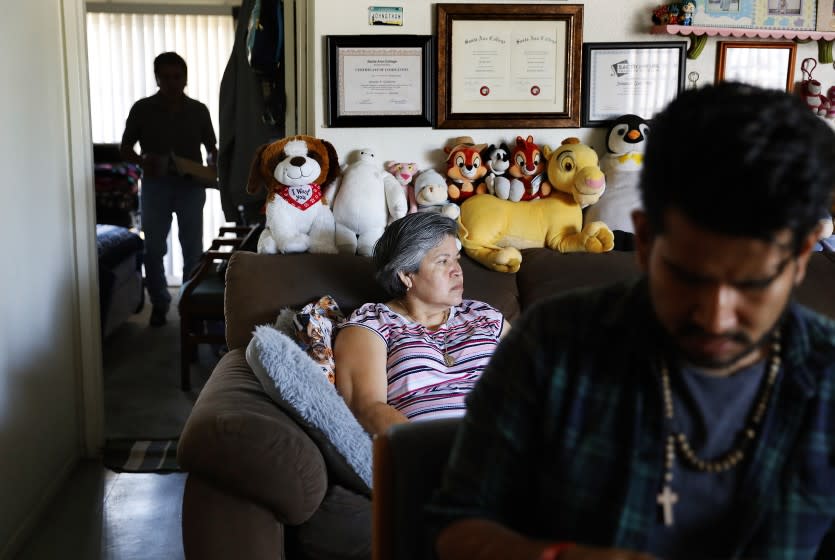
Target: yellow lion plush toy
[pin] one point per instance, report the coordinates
(494, 230)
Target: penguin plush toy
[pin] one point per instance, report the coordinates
(625, 144)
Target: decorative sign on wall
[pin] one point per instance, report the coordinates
(385, 15)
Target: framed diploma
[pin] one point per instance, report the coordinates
(764, 64)
(508, 66)
(637, 78)
(379, 80)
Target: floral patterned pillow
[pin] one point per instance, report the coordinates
(314, 327)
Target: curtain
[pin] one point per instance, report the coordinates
(122, 48)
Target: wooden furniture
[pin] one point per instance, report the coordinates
(201, 299)
(409, 460)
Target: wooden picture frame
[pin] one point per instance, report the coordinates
(379, 80)
(757, 63)
(640, 78)
(508, 65)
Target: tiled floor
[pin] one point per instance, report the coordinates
(103, 515)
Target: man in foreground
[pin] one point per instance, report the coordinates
(689, 414)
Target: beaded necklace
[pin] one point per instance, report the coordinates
(678, 444)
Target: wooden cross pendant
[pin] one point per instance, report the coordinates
(666, 499)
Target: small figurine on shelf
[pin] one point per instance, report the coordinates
(675, 13)
(674, 10)
(661, 15)
(686, 15)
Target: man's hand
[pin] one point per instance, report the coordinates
(153, 165)
(580, 552)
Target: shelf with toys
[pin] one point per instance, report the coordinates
(698, 37)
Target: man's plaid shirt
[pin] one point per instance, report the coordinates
(564, 434)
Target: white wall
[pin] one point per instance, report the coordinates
(48, 325)
(608, 21)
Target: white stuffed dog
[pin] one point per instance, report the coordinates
(367, 199)
(295, 171)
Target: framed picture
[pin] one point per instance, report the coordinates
(825, 20)
(764, 64)
(725, 13)
(786, 14)
(638, 78)
(508, 65)
(379, 80)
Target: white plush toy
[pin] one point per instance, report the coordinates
(622, 164)
(295, 171)
(367, 199)
(431, 194)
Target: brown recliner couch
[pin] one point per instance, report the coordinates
(257, 485)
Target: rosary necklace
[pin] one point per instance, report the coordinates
(677, 442)
(449, 359)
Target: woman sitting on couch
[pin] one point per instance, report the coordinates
(416, 356)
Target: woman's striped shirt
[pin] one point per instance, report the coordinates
(420, 384)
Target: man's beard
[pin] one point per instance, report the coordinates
(748, 345)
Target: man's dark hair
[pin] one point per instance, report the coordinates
(169, 59)
(741, 161)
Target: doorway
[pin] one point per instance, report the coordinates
(141, 366)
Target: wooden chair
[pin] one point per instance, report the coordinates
(409, 461)
(201, 298)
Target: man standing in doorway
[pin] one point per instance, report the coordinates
(165, 124)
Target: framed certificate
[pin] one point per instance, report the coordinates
(508, 66)
(379, 80)
(637, 78)
(764, 64)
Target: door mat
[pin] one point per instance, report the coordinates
(141, 456)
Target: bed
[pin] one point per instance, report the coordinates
(121, 291)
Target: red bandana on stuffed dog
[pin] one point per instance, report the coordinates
(302, 197)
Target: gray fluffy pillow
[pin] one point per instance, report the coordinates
(297, 385)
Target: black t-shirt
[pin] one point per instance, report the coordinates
(160, 130)
(712, 412)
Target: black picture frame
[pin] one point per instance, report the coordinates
(637, 66)
(344, 87)
(498, 19)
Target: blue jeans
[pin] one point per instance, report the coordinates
(161, 197)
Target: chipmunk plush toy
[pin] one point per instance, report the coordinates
(527, 168)
(465, 169)
(294, 171)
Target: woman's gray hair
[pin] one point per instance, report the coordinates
(403, 245)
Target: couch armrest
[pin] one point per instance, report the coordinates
(239, 439)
